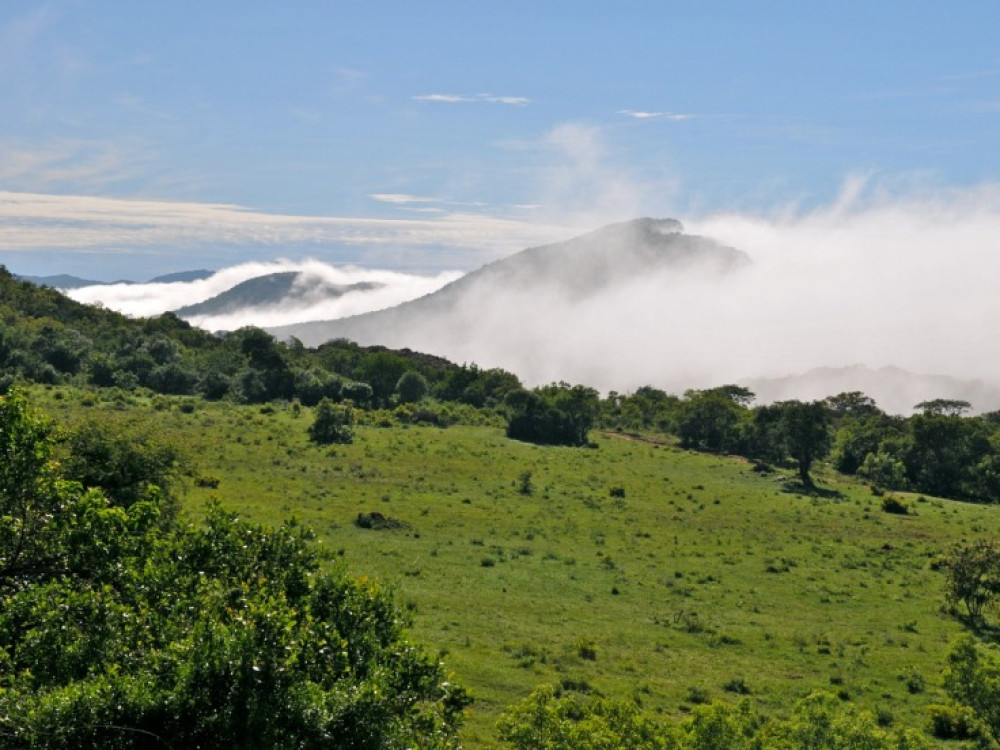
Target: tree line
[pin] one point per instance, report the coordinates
(939, 450)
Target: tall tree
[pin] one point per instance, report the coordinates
(805, 427)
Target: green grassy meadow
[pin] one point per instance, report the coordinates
(633, 567)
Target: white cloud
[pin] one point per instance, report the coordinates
(392, 288)
(876, 280)
(400, 198)
(518, 101)
(641, 115)
(67, 162)
(579, 183)
(87, 224)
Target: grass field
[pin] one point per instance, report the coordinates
(637, 569)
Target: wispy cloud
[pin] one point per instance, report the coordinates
(518, 101)
(86, 224)
(400, 198)
(638, 114)
(67, 164)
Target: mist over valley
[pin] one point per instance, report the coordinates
(871, 294)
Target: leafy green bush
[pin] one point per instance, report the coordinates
(333, 423)
(891, 504)
(120, 629)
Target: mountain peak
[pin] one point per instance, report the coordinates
(579, 271)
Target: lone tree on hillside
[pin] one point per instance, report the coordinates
(333, 423)
(806, 428)
(973, 576)
(797, 429)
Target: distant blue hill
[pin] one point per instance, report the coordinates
(182, 276)
(64, 281)
(272, 290)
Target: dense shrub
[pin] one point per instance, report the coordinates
(120, 629)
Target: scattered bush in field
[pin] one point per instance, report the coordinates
(586, 648)
(333, 423)
(697, 695)
(211, 482)
(524, 485)
(378, 522)
(915, 682)
(737, 685)
(953, 722)
(617, 492)
(892, 504)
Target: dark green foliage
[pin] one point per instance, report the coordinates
(471, 385)
(944, 454)
(359, 393)
(648, 408)
(382, 371)
(852, 405)
(943, 407)
(973, 576)
(124, 463)
(552, 720)
(953, 722)
(711, 420)
(557, 414)
(524, 485)
(333, 423)
(805, 431)
(411, 387)
(891, 504)
(972, 681)
(267, 375)
(861, 436)
(122, 630)
(29, 498)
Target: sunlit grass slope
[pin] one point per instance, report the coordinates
(631, 568)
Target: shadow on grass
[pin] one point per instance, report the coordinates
(979, 627)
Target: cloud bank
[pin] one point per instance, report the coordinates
(871, 279)
(392, 288)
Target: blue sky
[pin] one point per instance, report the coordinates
(139, 138)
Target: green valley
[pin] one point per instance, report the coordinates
(630, 568)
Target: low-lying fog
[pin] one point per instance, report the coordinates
(392, 288)
(908, 282)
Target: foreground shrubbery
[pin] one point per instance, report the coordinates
(120, 628)
(551, 720)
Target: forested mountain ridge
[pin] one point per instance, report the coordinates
(45, 337)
